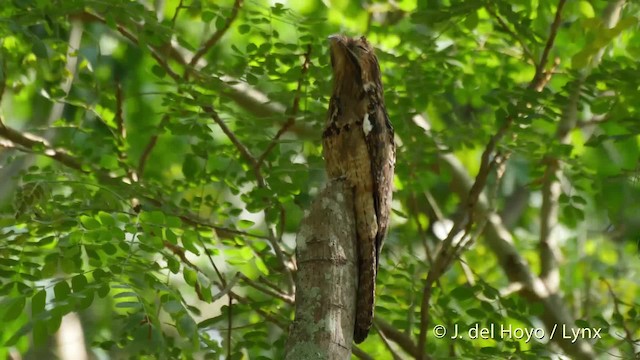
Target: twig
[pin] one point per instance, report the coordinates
(360, 354)
(227, 288)
(180, 252)
(248, 301)
(385, 341)
(122, 132)
(447, 253)
(505, 26)
(214, 38)
(3, 78)
(403, 340)
(286, 298)
(30, 141)
(294, 108)
(155, 53)
(244, 151)
(538, 78)
(175, 14)
(121, 136)
(220, 231)
(229, 325)
(616, 302)
(153, 140)
(500, 241)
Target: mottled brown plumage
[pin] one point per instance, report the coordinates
(358, 146)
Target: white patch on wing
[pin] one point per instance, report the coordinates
(366, 124)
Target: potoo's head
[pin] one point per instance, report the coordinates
(353, 60)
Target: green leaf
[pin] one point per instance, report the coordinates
(61, 291)
(191, 167)
(78, 283)
(207, 16)
(38, 302)
(39, 333)
(190, 276)
(38, 48)
(128, 305)
(462, 293)
(173, 307)
(244, 28)
(14, 308)
(186, 326)
(173, 264)
(89, 222)
(158, 71)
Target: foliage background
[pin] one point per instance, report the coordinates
(157, 157)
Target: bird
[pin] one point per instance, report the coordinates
(358, 147)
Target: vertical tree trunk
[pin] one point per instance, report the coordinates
(326, 278)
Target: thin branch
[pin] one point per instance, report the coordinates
(282, 324)
(500, 241)
(215, 37)
(155, 53)
(3, 78)
(616, 306)
(539, 76)
(227, 288)
(175, 14)
(220, 231)
(244, 151)
(153, 140)
(402, 339)
(286, 298)
(448, 251)
(121, 136)
(33, 143)
(385, 341)
(30, 141)
(294, 108)
(122, 132)
(525, 49)
(549, 251)
(229, 325)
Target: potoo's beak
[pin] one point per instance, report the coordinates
(334, 37)
(334, 40)
(338, 47)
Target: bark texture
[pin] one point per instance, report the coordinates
(326, 278)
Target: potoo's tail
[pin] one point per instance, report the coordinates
(365, 300)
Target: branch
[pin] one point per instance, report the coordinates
(30, 141)
(549, 251)
(448, 251)
(155, 53)
(33, 143)
(499, 240)
(57, 109)
(214, 38)
(153, 140)
(518, 38)
(538, 78)
(629, 338)
(244, 151)
(294, 108)
(286, 298)
(402, 339)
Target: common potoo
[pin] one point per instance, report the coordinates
(358, 146)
